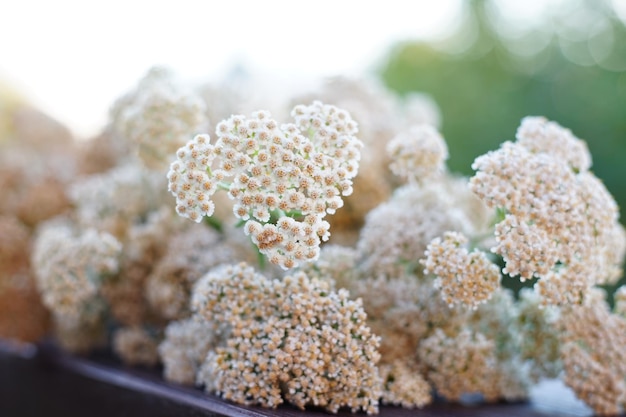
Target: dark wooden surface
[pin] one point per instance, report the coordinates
(44, 381)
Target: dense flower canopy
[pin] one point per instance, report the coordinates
(406, 304)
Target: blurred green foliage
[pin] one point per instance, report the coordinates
(574, 74)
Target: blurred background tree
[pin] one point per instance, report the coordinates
(569, 65)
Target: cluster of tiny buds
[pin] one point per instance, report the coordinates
(282, 179)
(469, 278)
(312, 347)
(186, 345)
(418, 153)
(461, 363)
(540, 251)
(538, 134)
(592, 340)
(158, 117)
(405, 385)
(556, 212)
(135, 346)
(69, 267)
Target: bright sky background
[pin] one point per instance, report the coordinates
(73, 58)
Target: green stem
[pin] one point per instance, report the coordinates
(214, 223)
(260, 258)
(278, 213)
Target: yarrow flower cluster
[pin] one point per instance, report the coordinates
(381, 116)
(158, 117)
(115, 200)
(22, 315)
(461, 364)
(135, 346)
(144, 243)
(189, 255)
(284, 179)
(427, 321)
(464, 277)
(535, 327)
(70, 267)
(539, 135)
(592, 351)
(185, 348)
(418, 153)
(561, 223)
(404, 385)
(396, 233)
(14, 248)
(294, 340)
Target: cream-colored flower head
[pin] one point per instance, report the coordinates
(186, 345)
(294, 340)
(116, 199)
(190, 254)
(464, 277)
(535, 327)
(592, 351)
(460, 364)
(396, 233)
(283, 179)
(405, 385)
(70, 266)
(159, 117)
(135, 346)
(561, 223)
(418, 153)
(539, 135)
